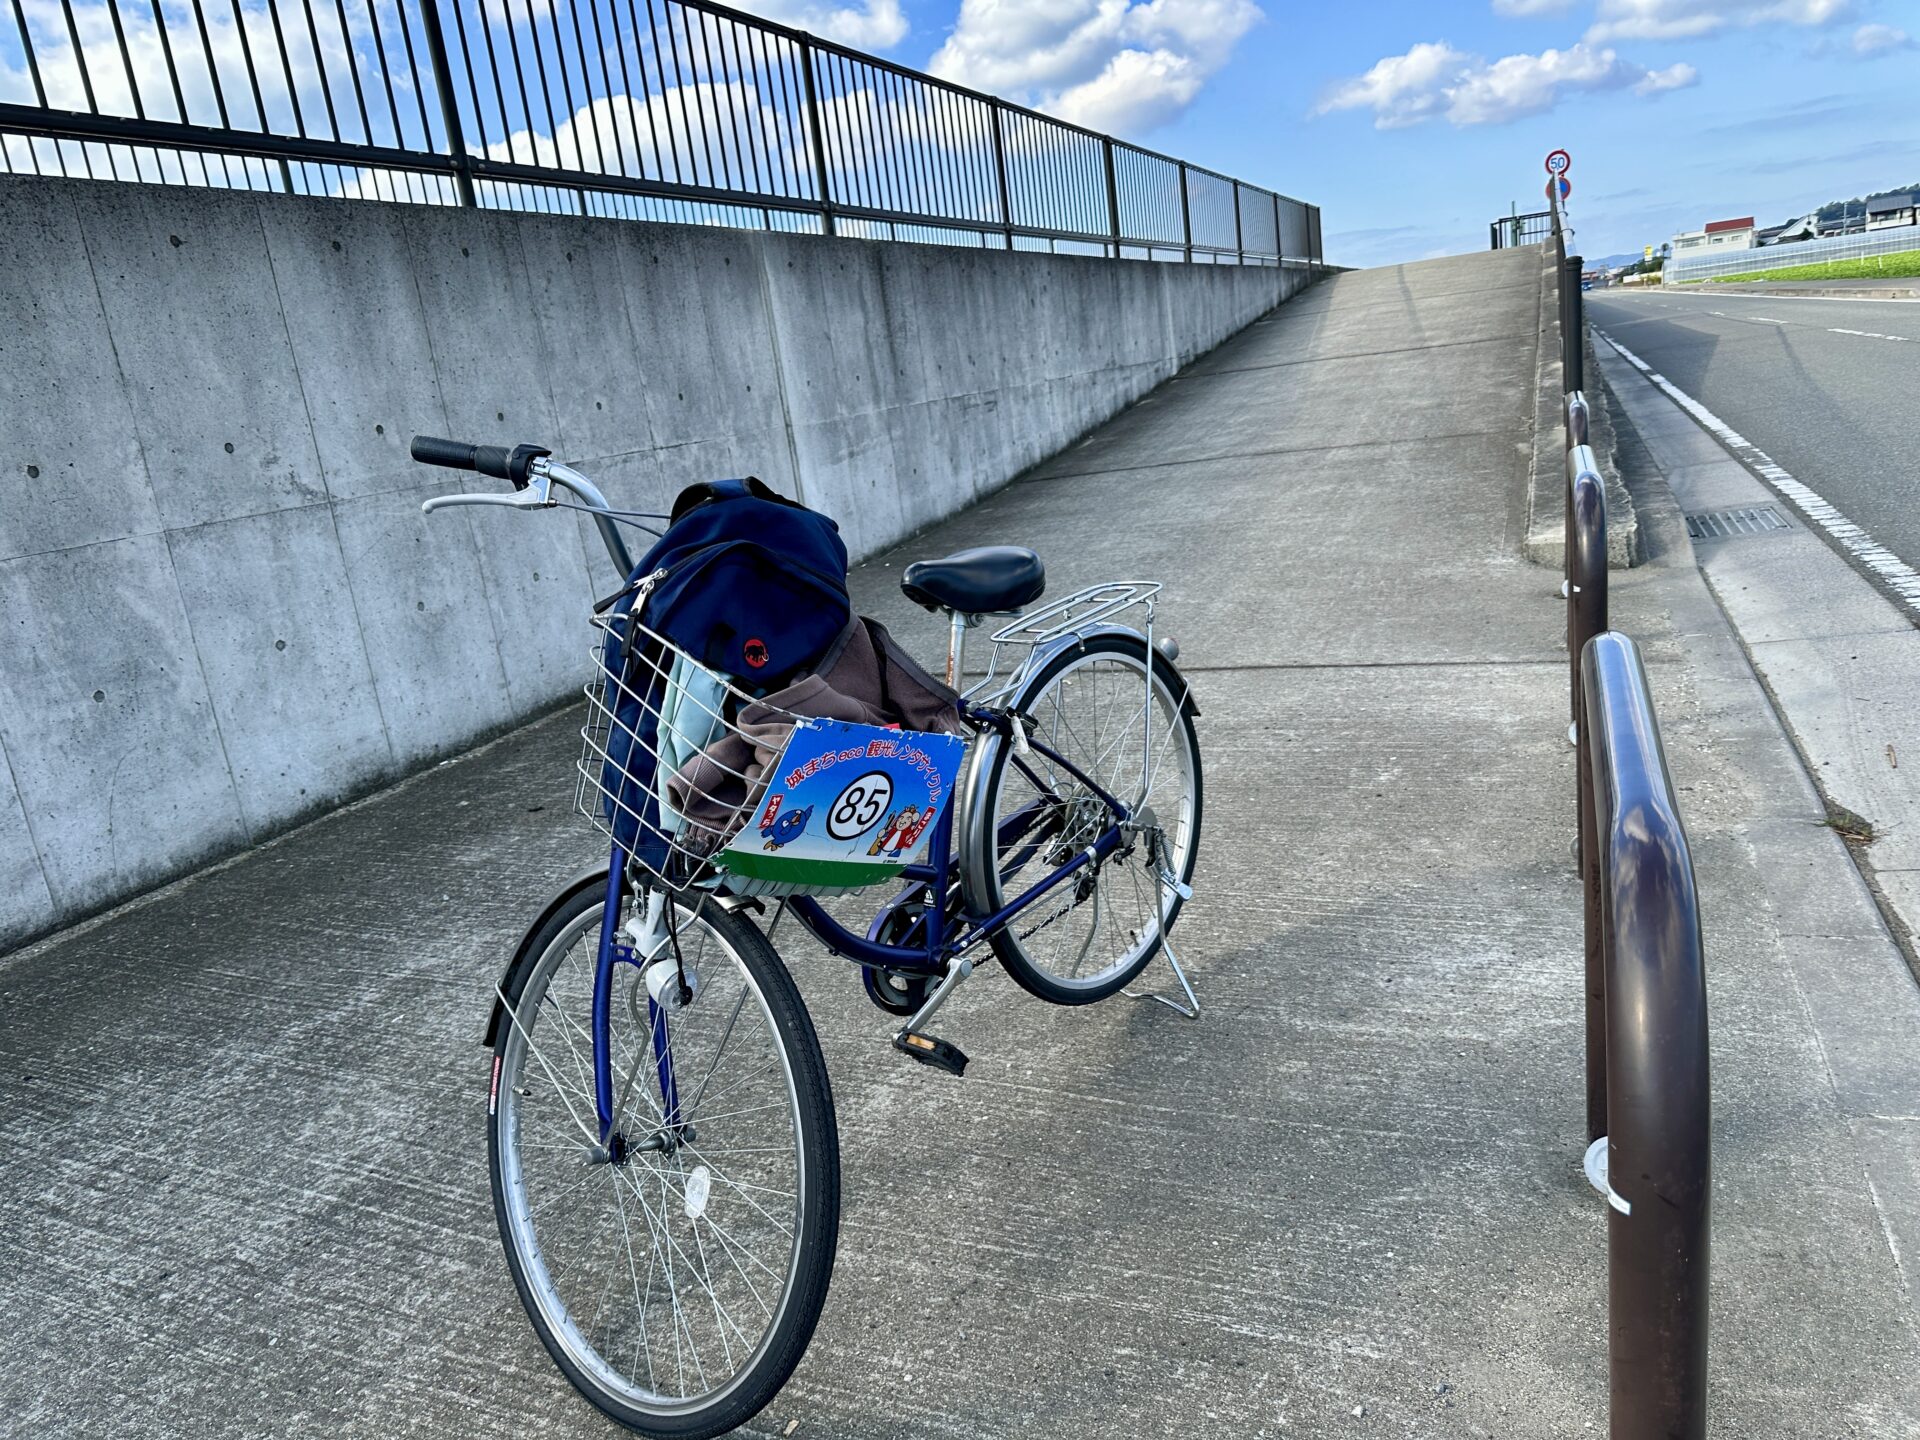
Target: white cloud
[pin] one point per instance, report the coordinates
(1675, 77)
(1403, 89)
(1123, 65)
(1687, 19)
(1531, 7)
(1871, 41)
(868, 25)
(1436, 81)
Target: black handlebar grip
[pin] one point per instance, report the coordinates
(495, 460)
(454, 454)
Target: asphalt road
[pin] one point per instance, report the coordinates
(1800, 379)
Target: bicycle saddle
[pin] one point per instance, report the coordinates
(974, 582)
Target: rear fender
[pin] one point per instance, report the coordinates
(969, 838)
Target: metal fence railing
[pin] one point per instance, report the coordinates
(1512, 230)
(1706, 264)
(1651, 1151)
(1649, 1109)
(646, 109)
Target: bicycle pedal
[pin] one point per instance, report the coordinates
(931, 1050)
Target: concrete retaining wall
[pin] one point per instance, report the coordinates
(222, 606)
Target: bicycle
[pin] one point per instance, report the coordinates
(662, 1146)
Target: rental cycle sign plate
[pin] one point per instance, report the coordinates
(846, 805)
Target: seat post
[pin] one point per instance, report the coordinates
(956, 647)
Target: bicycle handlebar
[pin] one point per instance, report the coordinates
(522, 465)
(494, 460)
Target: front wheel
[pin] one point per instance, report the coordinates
(1119, 714)
(675, 1274)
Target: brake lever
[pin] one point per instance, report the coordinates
(537, 496)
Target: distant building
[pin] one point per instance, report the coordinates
(1805, 228)
(1718, 235)
(1891, 210)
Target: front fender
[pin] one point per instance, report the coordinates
(592, 879)
(596, 881)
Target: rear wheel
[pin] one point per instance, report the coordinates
(1093, 706)
(676, 1274)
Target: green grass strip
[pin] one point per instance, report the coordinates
(1901, 264)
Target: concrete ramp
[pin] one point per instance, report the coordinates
(247, 1189)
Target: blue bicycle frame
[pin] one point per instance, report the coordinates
(930, 957)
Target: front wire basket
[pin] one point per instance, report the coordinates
(675, 761)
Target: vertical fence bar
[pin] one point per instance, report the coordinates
(1186, 218)
(449, 105)
(1113, 195)
(814, 138)
(1000, 170)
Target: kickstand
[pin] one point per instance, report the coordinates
(1157, 853)
(1192, 1008)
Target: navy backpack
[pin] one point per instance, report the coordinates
(750, 584)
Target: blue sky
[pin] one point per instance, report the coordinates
(1676, 111)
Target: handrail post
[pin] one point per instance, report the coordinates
(1186, 216)
(1239, 241)
(1113, 195)
(1573, 337)
(1586, 618)
(1578, 419)
(815, 139)
(449, 107)
(1279, 237)
(1659, 1163)
(1586, 561)
(1000, 172)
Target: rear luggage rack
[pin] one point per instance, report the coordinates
(1079, 611)
(1074, 615)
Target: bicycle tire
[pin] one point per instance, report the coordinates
(1037, 699)
(816, 1209)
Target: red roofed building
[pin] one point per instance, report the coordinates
(1718, 235)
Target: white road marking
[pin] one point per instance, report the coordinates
(1831, 329)
(1899, 576)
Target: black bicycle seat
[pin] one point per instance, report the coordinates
(977, 581)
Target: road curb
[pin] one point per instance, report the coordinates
(1808, 289)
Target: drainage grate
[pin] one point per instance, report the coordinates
(1725, 524)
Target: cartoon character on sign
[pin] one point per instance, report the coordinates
(786, 828)
(899, 833)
